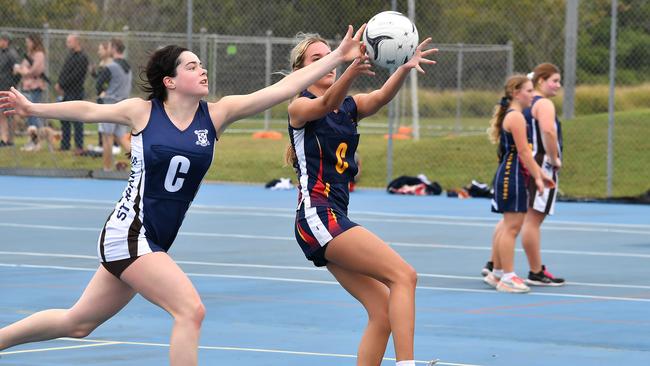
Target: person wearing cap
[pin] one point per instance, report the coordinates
(8, 58)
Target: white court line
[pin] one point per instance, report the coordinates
(292, 239)
(219, 348)
(328, 282)
(103, 343)
(465, 220)
(303, 268)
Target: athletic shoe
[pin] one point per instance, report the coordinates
(544, 278)
(491, 280)
(433, 362)
(489, 267)
(513, 284)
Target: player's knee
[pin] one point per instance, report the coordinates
(405, 275)
(193, 313)
(81, 330)
(410, 275)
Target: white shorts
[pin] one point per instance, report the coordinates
(544, 203)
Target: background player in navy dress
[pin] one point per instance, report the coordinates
(516, 167)
(545, 137)
(174, 132)
(323, 132)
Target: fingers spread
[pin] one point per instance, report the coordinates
(359, 33)
(348, 34)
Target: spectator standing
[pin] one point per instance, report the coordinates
(8, 58)
(33, 82)
(120, 78)
(71, 87)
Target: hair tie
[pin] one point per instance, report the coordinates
(505, 102)
(530, 75)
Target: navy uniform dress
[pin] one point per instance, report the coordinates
(167, 167)
(545, 202)
(325, 166)
(511, 178)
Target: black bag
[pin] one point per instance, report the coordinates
(413, 185)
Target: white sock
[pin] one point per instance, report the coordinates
(498, 273)
(509, 275)
(406, 363)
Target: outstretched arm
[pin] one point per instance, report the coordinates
(369, 104)
(303, 110)
(234, 107)
(124, 112)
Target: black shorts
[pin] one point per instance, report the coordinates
(117, 267)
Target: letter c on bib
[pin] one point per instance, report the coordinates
(178, 164)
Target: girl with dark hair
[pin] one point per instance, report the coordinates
(323, 131)
(516, 168)
(173, 133)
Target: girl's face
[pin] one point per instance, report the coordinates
(191, 78)
(315, 52)
(551, 86)
(29, 44)
(102, 51)
(524, 96)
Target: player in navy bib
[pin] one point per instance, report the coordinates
(547, 144)
(173, 136)
(323, 132)
(516, 167)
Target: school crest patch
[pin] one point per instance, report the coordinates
(202, 137)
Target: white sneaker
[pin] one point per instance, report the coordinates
(491, 280)
(116, 150)
(29, 146)
(513, 285)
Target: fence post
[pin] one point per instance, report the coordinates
(415, 111)
(203, 45)
(126, 32)
(267, 75)
(459, 86)
(47, 37)
(190, 23)
(570, 44)
(389, 146)
(510, 62)
(212, 75)
(610, 109)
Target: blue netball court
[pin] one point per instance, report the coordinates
(266, 305)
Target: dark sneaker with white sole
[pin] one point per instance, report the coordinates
(544, 278)
(489, 267)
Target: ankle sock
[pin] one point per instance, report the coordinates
(405, 363)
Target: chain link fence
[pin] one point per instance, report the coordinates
(437, 122)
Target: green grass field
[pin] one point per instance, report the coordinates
(452, 160)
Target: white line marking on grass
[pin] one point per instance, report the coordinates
(329, 282)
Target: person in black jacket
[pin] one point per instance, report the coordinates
(8, 58)
(71, 87)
